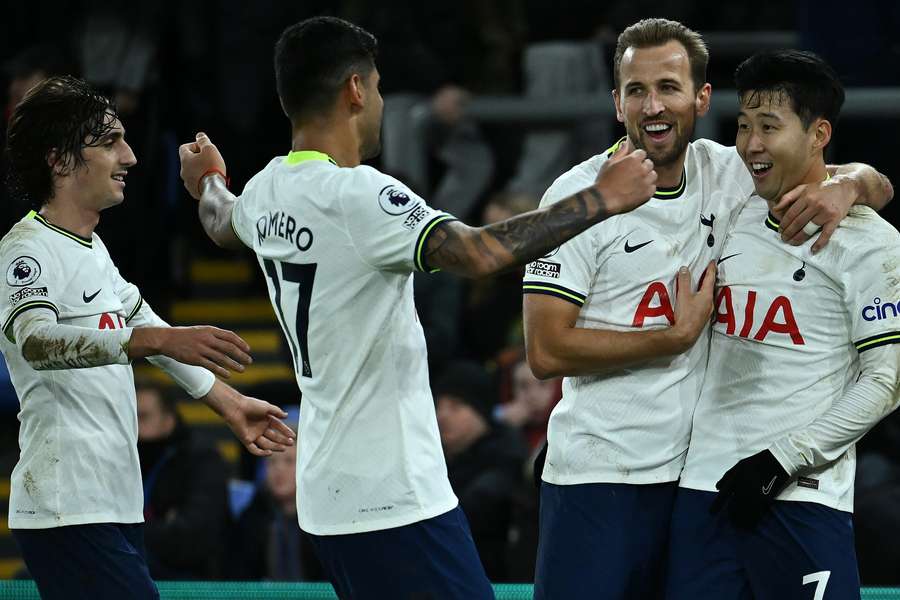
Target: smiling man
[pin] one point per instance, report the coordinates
(803, 363)
(71, 327)
(614, 311)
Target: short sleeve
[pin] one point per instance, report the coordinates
(242, 223)
(30, 282)
(872, 294)
(388, 224)
(567, 271)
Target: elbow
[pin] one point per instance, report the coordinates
(34, 351)
(542, 363)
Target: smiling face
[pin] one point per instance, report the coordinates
(99, 183)
(777, 149)
(657, 102)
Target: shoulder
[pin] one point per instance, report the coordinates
(724, 163)
(25, 238)
(863, 230)
(574, 180)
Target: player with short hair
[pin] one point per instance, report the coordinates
(338, 243)
(615, 311)
(71, 327)
(803, 363)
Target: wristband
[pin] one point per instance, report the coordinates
(209, 172)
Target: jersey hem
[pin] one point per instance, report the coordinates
(794, 494)
(637, 478)
(88, 519)
(381, 524)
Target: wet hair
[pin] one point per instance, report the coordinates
(812, 87)
(650, 33)
(314, 58)
(58, 118)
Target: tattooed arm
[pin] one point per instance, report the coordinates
(625, 182)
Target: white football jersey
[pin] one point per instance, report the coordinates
(789, 329)
(78, 436)
(338, 247)
(632, 425)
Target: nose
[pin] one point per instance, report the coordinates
(754, 144)
(128, 159)
(652, 104)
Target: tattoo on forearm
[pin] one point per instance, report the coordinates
(516, 241)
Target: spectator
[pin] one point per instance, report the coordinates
(531, 404)
(269, 543)
(483, 459)
(185, 493)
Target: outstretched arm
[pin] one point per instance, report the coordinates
(625, 182)
(203, 172)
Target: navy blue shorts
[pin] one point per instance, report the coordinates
(434, 559)
(103, 561)
(603, 540)
(799, 550)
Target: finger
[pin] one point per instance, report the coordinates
(708, 279)
(278, 436)
(256, 450)
(203, 140)
(827, 230)
(792, 225)
(265, 443)
(223, 360)
(185, 150)
(282, 427)
(788, 199)
(638, 155)
(232, 337)
(275, 412)
(647, 164)
(228, 349)
(682, 282)
(216, 369)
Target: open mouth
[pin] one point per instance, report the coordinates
(760, 169)
(657, 131)
(120, 177)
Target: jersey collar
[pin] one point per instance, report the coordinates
(295, 157)
(661, 193)
(773, 223)
(86, 242)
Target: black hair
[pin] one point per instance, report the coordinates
(314, 58)
(60, 116)
(812, 87)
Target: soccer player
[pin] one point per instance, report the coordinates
(803, 363)
(338, 243)
(71, 327)
(615, 311)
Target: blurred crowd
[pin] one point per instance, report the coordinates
(177, 67)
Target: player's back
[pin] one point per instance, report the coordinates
(338, 247)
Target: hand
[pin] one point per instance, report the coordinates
(823, 204)
(749, 487)
(627, 180)
(198, 158)
(255, 423)
(218, 350)
(692, 309)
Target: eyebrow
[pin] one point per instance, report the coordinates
(763, 114)
(112, 135)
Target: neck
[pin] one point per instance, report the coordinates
(816, 173)
(71, 217)
(669, 176)
(337, 140)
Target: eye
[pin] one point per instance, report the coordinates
(743, 127)
(768, 128)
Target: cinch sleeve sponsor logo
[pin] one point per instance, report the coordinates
(544, 268)
(879, 311)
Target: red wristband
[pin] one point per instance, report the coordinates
(212, 172)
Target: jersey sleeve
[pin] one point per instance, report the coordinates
(31, 281)
(127, 293)
(872, 292)
(567, 271)
(388, 224)
(242, 222)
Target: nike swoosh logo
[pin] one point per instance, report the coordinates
(766, 489)
(724, 258)
(708, 222)
(87, 298)
(631, 249)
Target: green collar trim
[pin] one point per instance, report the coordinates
(674, 192)
(86, 242)
(295, 157)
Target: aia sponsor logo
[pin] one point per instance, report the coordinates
(778, 317)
